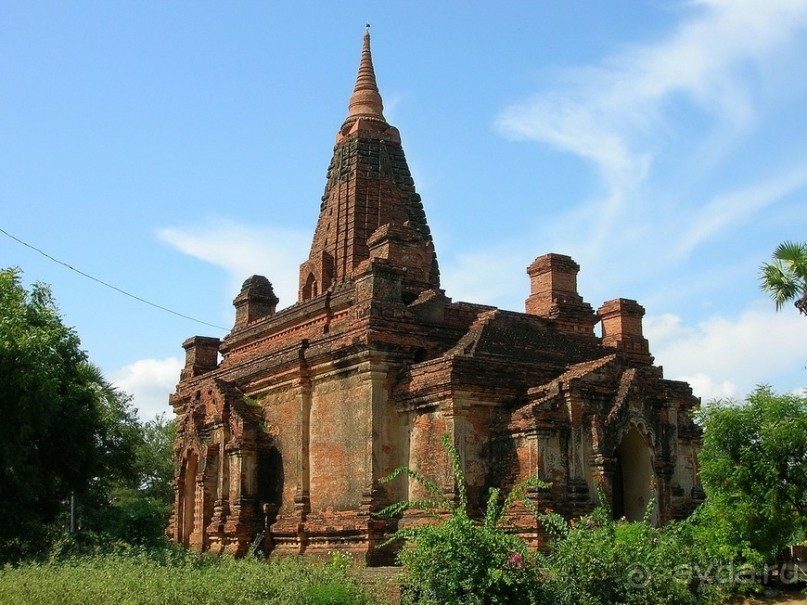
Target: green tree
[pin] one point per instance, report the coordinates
(118, 503)
(154, 459)
(66, 432)
(785, 278)
(754, 467)
(119, 437)
(137, 512)
(49, 410)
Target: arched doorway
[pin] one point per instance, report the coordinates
(270, 477)
(189, 496)
(634, 478)
(270, 492)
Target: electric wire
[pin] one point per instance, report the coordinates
(108, 285)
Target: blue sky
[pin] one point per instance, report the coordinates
(173, 149)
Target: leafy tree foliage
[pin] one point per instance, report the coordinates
(754, 467)
(154, 459)
(65, 431)
(596, 560)
(785, 278)
(50, 410)
(135, 508)
(130, 500)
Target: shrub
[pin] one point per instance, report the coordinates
(754, 468)
(332, 593)
(596, 560)
(458, 560)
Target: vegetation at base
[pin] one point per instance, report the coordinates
(596, 560)
(174, 576)
(457, 560)
(755, 470)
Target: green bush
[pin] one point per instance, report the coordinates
(463, 562)
(754, 468)
(460, 561)
(596, 560)
(332, 593)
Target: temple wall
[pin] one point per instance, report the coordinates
(393, 444)
(426, 454)
(340, 408)
(477, 454)
(281, 410)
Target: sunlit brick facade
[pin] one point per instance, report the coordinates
(288, 425)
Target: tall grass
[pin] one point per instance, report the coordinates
(178, 578)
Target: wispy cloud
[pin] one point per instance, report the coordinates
(618, 114)
(244, 250)
(736, 207)
(241, 250)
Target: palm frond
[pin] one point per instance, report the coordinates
(781, 283)
(494, 513)
(457, 471)
(492, 509)
(398, 508)
(519, 493)
(794, 255)
(431, 487)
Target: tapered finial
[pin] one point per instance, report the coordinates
(365, 101)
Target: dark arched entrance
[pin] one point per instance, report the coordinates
(189, 496)
(270, 477)
(634, 478)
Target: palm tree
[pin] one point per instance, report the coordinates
(785, 278)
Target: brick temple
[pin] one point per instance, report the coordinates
(288, 425)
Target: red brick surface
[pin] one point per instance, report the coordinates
(285, 440)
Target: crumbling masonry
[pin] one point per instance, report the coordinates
(287, 425)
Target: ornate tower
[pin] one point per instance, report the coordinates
(368, 186)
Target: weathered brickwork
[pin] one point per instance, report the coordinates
(288, 425)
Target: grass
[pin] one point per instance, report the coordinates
(178, 578)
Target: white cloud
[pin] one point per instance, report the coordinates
(242, 250)
(735, 207)
(245, 250)
(728, 356)
(707, 388)
(149, 382)
(602, 115)
(619, 114)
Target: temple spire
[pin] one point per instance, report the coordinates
(369, 210)
(365, 102)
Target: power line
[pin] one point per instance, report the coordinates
(108, 285)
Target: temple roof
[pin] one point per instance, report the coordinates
(520, 337)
